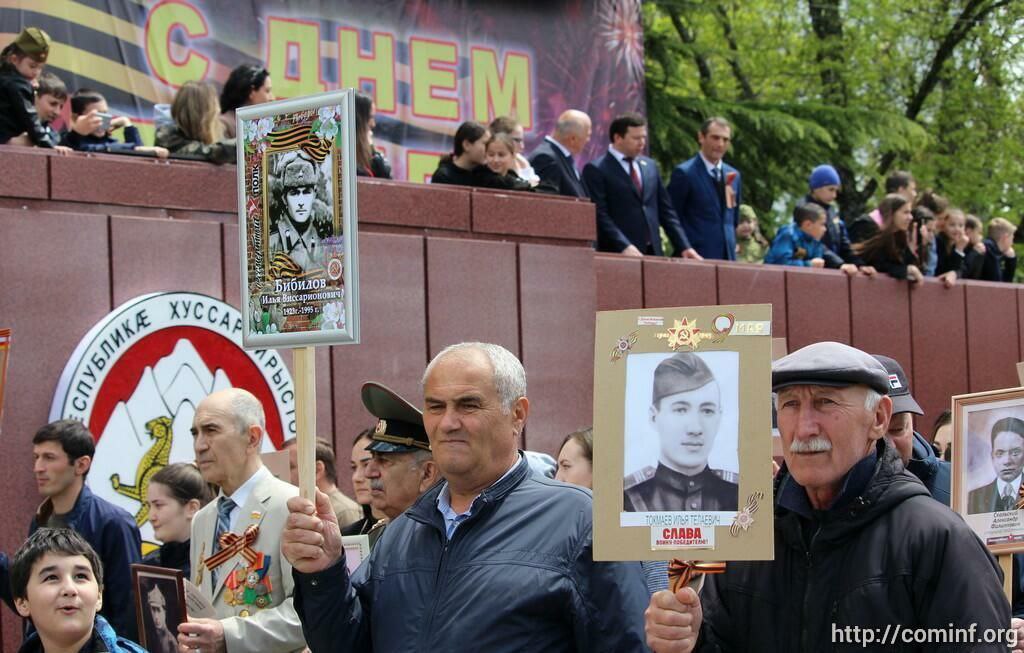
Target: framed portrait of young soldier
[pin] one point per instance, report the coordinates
(988, 461)
(159, 605)
(297, 213)
(683, 434)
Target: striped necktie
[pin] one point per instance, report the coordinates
(224, 507)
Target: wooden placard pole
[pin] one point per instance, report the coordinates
(1006, 562)
(305, 419)
(1020, 373)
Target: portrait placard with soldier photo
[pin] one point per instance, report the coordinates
(297, 211)
(682, 433)
(160, 606)
(988, 460)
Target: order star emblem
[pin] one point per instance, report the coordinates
(684, 334)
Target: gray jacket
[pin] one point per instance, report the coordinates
(517, 575)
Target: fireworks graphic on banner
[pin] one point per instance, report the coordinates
(623, 35)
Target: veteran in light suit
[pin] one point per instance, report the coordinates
(1008, 460)
(235, 548)
(705, 192)
(630, 200)
(686, 408)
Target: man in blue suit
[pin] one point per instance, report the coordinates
(706, 192)
(553, 159)
(631, 202)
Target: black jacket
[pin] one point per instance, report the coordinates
(90, 143)
(996, 266)
(885, 555)
(172, 555)
(556, 170)
(517, 575)
(481, 177)
(966, 264)
(18, 109)
(379, 167)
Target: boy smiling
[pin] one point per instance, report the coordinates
(57, 581)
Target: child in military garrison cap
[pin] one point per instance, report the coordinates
(686, 408)
(21, 63)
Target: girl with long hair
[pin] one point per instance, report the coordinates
(197, 131)
(889, 250)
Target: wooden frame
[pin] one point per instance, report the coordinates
(981, 420)
(162, 584)
(299, 264)
(635, 433)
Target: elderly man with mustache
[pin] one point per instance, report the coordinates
(402, 467)
(860, 546)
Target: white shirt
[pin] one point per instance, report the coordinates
(1013, 487)
(241, 495)
(712, 167)
(621, 158)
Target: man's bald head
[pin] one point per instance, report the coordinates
(573, 130)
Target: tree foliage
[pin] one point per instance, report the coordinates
(870, 87)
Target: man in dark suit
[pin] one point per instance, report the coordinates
(553, 158)
(630, 199)
(1008, 459)
(706, 193)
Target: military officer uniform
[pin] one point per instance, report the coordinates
(304, 247)
(399, 430)
(665, 490)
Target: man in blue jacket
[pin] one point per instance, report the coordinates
(630, 200)
(62, 452)
(705, 192)
(494, 558)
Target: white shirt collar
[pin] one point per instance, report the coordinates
(1014, 486)
(619, 156)
(241, 495)
(561, 147)
(711, 167)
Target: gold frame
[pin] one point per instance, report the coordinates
(962, 407)
(620, 334)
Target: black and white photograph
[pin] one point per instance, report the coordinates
(682, 433)
(681, 449)
(160, 606)
(988, 459)
(301, 216)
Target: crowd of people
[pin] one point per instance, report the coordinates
(699, 215)
(473, 540)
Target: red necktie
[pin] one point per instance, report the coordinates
(635, 175)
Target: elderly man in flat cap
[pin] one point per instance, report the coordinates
(861, 549)
(686, 408)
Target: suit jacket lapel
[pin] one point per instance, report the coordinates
(252, 513)
(617, 169)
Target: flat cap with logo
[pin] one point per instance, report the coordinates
(831, 364)
(399, 424)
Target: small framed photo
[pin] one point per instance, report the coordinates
(357, 549)
(683, 434)
(988, 457)
(298, 222)
(159, 606)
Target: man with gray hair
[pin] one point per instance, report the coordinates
(553, 159)
(235, 547)
(861, 548)
(494, 558)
